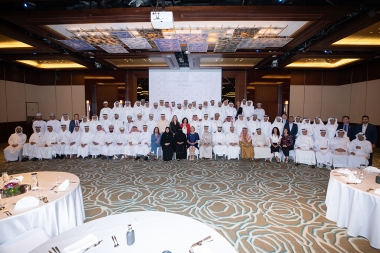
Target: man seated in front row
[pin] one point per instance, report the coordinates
(86, 139)
(322, 150)
(304, 149)
(232, 141)
(31, 149)
(109, 142)
(360, 150)
(219, 143)
(50, 145)
(339, 148)
(16, 142)
(261, 146)
(143, 146)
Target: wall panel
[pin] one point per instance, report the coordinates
(3, 102)
(15, 97)
(372, 101)
(32, 93)
(296, 100)
(357, 106)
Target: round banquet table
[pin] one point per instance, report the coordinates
(64, 210)
(352, 207)
(154, 232)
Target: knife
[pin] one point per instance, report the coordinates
(92, 246)
(201, 241)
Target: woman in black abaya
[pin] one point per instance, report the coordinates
(167, 145)
(180, 141)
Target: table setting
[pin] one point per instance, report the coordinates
(50, 200)
(145, 231)
(353, 202)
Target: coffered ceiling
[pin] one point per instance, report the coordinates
(226, 34)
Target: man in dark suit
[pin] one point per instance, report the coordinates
(370, 132)
(292, 128)
(75, 122)
(345, 125)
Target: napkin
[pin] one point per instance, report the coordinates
(346, 171)
(82, 244)
(203, 249)
(27, 202)
(16, 179)
(64, 185)
(377, 191)
(372, 169)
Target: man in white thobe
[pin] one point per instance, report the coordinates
(83, 123)
(139, 122)
(121, 142)
(167, 110)
(146, 111)
(278, 123)
(196, 123)
(54, 123)
(339, 146)
(205, 122)
(156, 112)
(85, 140)
(306, 125)
(117, 123)
(227, 124)
(31, 149)
(219, 109)
(95, 147)
(39, 122)
(232, 141)
(129, 124)
(266, 126)
(109, 142)
(143, 146)
(252, 124)
(189, 113)
(106, 122)
(161, 105)
(64, 141)
(260, 112)
(219, 142)
(93, 124)
(65, 119)
(239, 124)
(249, 110)
(215, 123)
(162, 123)
(133, 140)
(16, 142)
(360, 150)
(322, 150)
(74, 142)
(127, 111)
(137, 109)
(151, 123)
(260, 145)
(106, 110)
(317, 126)
(49, 147)
(117, 108)
(231, 110)
(331, 127)
(179, 112)
(198, 111)
(304, 149)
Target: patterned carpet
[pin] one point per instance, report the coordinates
(258, 207)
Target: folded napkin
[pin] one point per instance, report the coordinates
(372, 169)
(203, 249)
(346, 171)
(16, 179)
(64, 185)
(377, 191)
(82, 244)
(27, 202)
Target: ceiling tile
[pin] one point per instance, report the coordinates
(168, 45)
(114, 49)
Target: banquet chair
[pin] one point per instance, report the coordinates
(263, 153)
(216, 156)
(25, 242)
(196, 153)
(159, 153)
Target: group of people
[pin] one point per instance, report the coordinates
(221, 129)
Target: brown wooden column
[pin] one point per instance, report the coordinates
(268, 96)
(240, 83)
(131, 87)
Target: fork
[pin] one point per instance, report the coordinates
(6, 211)
(370, 189)
(117, 245)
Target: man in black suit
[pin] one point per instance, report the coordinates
(292, 128)
(345, 125)
(370, 132)
(75, 122)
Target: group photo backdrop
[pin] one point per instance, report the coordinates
(180, 84)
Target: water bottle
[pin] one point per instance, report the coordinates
(34, 183)
(130, 235)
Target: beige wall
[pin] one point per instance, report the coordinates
(354, 100)
(57, 99)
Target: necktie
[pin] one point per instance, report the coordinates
(345, 128)
(76, 123)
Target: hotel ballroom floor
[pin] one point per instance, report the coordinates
(257, 207)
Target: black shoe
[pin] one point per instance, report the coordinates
(24, 159)
(137, 158)
(104, 157)
(313, 166)
(34, 159)
(145, 158)
(62, 157)
(297, 164)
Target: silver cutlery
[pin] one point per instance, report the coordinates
(6, 211)
(54, 250)
(92, 246)
(114, 242)
(117, 244)
(370, 189)
(201, 241)
(54, 187)
(351, 183)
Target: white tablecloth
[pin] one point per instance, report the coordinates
(351, 207)
(64, 210)
(154, 232)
